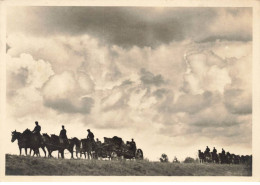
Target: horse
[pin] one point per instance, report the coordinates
(208, 157)
(201, 156)
(77, 146)
(223, 158)
(86, 146)
(215, 157)
(28, 140)
(53, 143)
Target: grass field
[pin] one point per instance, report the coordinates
(26, 165)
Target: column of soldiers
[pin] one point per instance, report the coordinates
(64, 139)
(214, 150)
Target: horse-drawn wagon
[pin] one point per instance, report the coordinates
(115, 148)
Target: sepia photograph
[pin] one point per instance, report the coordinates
(127, 91)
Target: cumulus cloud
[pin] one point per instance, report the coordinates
(149, 78)
(64, 94)
(177, 92)
(25, 77)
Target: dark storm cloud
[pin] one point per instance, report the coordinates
(66, 106)
(125, 26)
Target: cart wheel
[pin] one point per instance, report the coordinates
(113, 155)
(139, 154)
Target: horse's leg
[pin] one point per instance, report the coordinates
(25, 151)
(20, 150)
(71, 151)
(38, 151)
(43, 151)
(62, 154)
(50, 151)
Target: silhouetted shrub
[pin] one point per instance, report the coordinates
(189, 160)
(164, 158)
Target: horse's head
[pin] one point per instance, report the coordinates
(15, 135)
(45, 137)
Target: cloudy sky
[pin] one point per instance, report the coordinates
(174, 79)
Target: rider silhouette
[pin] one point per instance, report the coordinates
(214, 150)
(223, 151)
(90, 136)
(207, 150)
(37, 128)
(63, 135)
(98, 143)
(37, 131)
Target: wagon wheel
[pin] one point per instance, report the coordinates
(113, 155)
(139, 154)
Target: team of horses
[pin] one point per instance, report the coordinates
(88, 148)
(223, 158)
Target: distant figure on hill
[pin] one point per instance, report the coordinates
(63, 135)
(207, 150)
(223, 151)
(214, 150)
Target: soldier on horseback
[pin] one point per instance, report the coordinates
(91, 136)
(207, 151)
(37, 131)
(37, 128)
(98, 143)
(223, 152)
(214, 150)
(63, 136)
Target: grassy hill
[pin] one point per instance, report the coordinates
(26, 165)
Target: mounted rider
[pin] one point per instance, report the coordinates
(214, 150)
(37, 128)
(91, 137)
(223, 152)
(207, 151)
(98, 143)
(37, 131)
(63, 135)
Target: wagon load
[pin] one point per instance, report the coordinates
(115, 147)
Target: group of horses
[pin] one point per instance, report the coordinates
(87, 147)
(223, 158)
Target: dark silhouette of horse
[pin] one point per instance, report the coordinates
(208, 157)
(223, 158)
(201, 156)
(86, 146)
(53, 143)
(77, 146)
(26, 140)
(215, 157)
